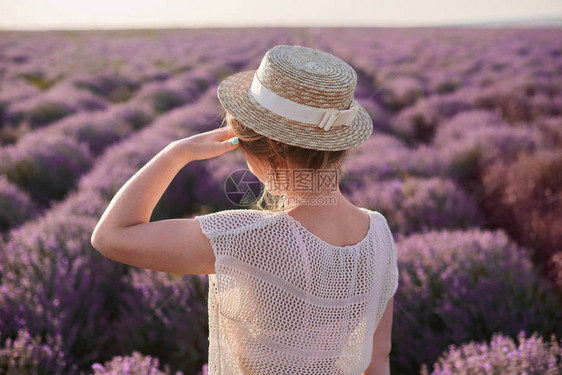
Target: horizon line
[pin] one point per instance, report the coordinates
(530, 22)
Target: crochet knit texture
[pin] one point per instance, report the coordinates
(283, 301)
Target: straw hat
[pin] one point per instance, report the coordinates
(299, 96)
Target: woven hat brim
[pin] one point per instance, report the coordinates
(235, 96)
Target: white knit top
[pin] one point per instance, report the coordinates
(283, 301)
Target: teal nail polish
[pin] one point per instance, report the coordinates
(234, 140)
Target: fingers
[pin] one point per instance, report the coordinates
(226, 146)
(232, 142)
(227, 133)
(213, 143)
(222, 133)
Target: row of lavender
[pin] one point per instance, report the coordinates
(85, 307)
(454, 273)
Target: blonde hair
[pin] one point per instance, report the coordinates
(276, 154)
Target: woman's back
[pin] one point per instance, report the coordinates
(284, 300)
(341, 225)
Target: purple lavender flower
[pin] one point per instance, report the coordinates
(15, 205)
(384, 157)
(30, 355)
(404, 90)
(525, 197)
(457, 286)
(38, 111)
(115, 88)
(46, 166)
(100, 129)
(420, 204)
(418, 123)
(166, 314)
(53, 282)
(136, 363)
(502, 355)
(472, 141)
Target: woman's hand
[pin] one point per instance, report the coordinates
(206, 145)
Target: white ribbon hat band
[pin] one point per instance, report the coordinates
(323, 118)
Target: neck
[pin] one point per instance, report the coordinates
(314, 199)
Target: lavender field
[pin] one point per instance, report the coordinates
(465, 162)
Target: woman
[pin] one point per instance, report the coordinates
(304, 286)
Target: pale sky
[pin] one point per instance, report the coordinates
(117, 14)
